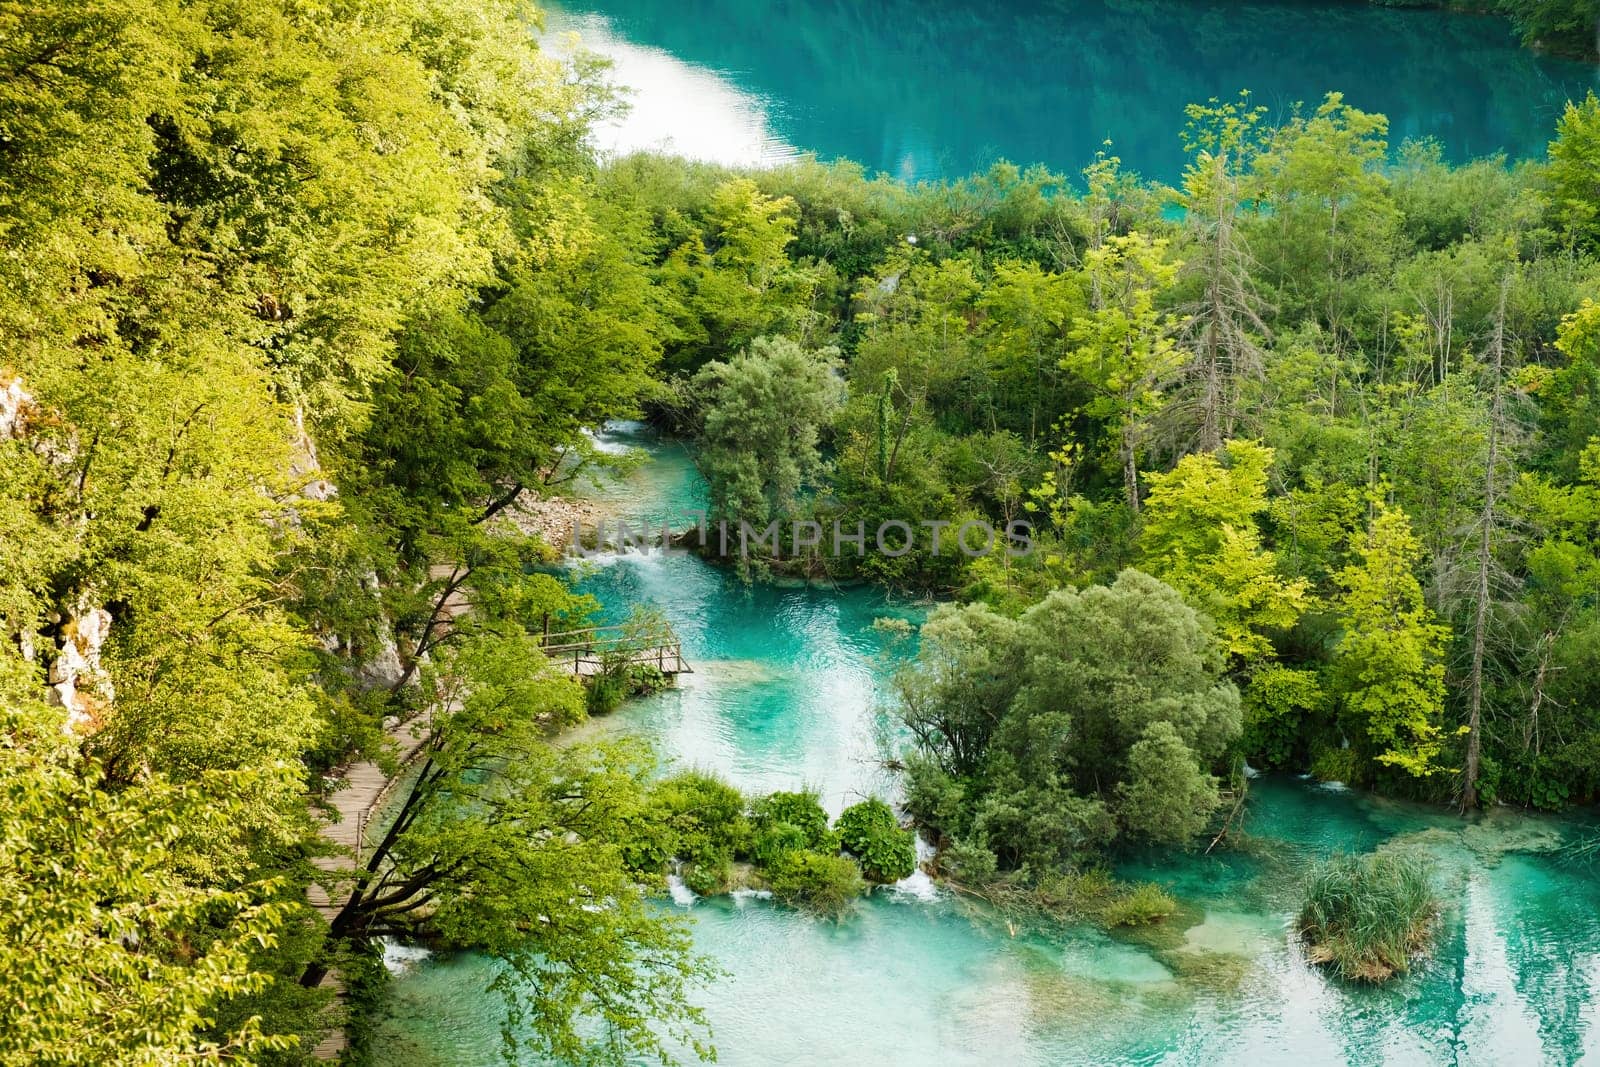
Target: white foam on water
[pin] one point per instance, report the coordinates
(652, 555)
(919, 884)
(399, 958)
(607, 443)
(741, 896)
(682, 895)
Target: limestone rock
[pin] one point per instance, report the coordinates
(78, 682)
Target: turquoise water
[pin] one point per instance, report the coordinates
(788, 690)
(937, 88)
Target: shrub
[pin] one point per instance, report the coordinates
(775, 844)
(969, 863)
(870, 832)
(709, 876)
(801, 810)
(1366, 916)
(1276, 704)
(1145, 905)
(1167, 798)
(692, 816)
(1334, 765)
(1072, 895)
(606, 692)
(821, 883)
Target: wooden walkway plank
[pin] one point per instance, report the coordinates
(584, 653)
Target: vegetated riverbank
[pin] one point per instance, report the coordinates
(789, 691)
(1561, 27)
(256, 453)
(1223, 972)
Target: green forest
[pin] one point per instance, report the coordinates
(300, 303)
(1569, 27)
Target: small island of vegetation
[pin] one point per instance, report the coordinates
(301, 304)
(1367, 917)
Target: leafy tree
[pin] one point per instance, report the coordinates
(1389, 666)
(109, 956)
(762, 419)
(1030, 314)
(1575, 169)
(1200, 536)
(1123, 349)
(509, 845)
(732, 282)
(1328, 232)
(1572, 394)
(1028, 732)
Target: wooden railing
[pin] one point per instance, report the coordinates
(592, 650)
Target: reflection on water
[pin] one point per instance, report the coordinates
(788, 691)
(928, 88)
(675, 107)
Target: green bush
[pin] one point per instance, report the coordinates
(1334, 765)
(691, 816)
(776, 843)
(1366, 916)
(969, 863)
(1073, 895)
(709, 876)
(825, 884)
(1276, 703)
(870, 832)
(605, 693)
(1145, 905)
(801, 810)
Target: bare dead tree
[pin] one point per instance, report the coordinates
(1489, 527)
(1223, 328)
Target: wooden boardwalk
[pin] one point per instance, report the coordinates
(365, 787)
(592, 651)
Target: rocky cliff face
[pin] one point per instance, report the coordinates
(78, 682)
(16, 407)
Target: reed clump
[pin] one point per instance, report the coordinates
(1367, 917)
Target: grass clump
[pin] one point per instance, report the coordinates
(1144, 905)
(1366, 917)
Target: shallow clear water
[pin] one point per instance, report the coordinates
(929, 88)
(788, 690)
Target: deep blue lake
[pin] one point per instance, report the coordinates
(938, 88)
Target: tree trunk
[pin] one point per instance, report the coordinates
(1130, 466)
(1486, 522)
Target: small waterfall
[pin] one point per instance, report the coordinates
(919, 884)
(618, 438)
(399, 958)
(682, 895)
